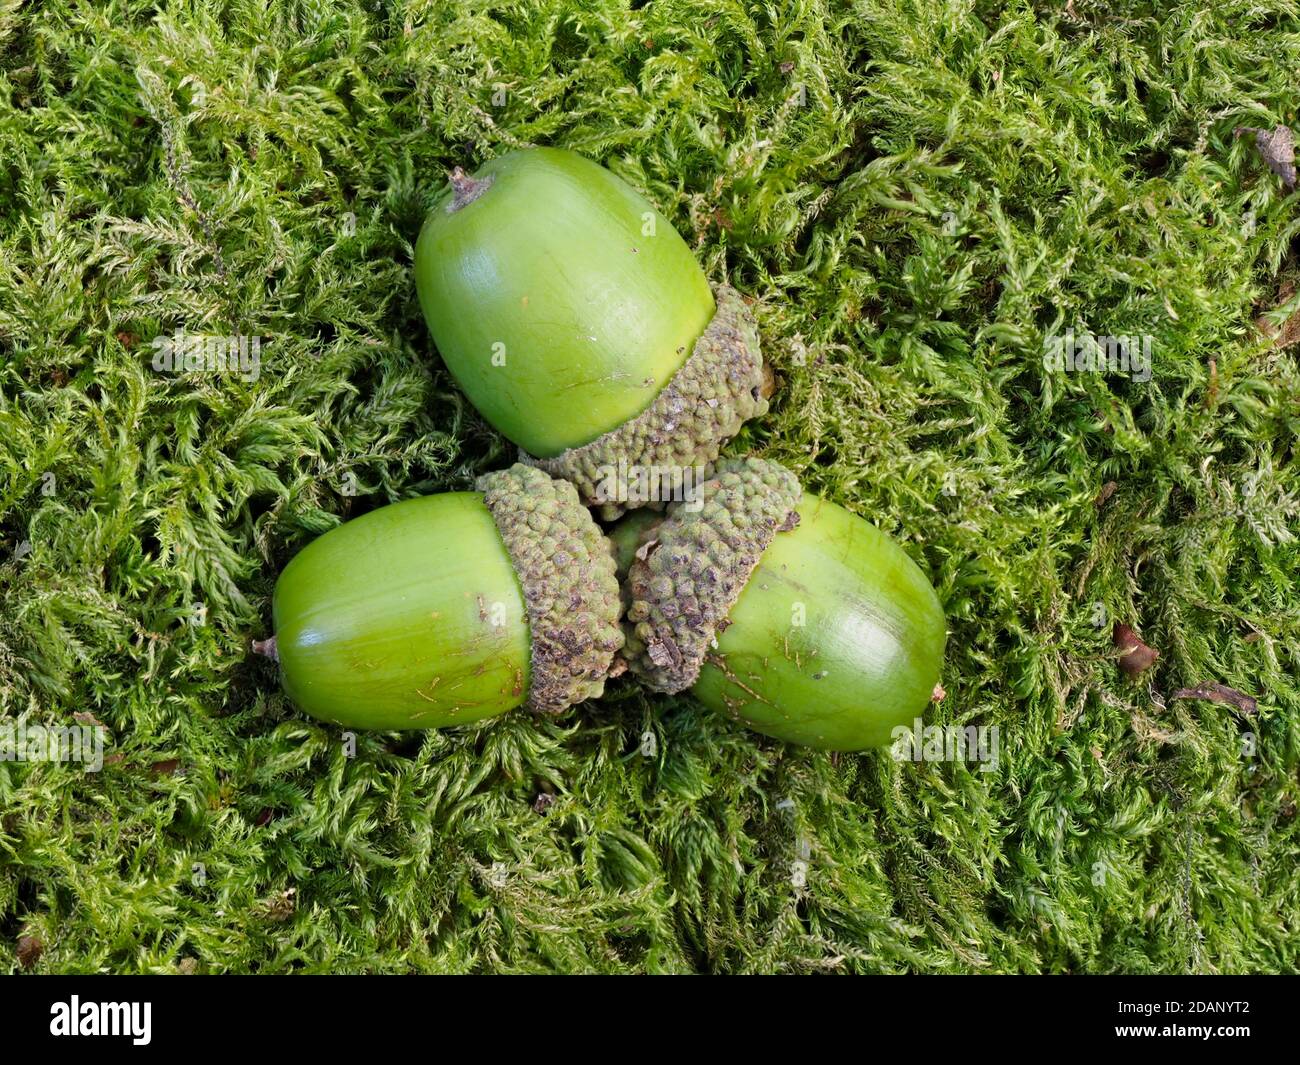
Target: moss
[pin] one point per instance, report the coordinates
(915, 195)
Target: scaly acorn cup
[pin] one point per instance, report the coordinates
(577, 321)
(451, 608)
(782, 611)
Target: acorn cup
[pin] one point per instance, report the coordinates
(450, 608)
(576, 320)
(781, 610)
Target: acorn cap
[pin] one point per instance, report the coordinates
(566, 570)
(702, 406)
(691, 568)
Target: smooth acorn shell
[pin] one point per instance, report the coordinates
(836, 639)
(561, 301)
(410, 616)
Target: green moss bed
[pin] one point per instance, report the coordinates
(917, 196)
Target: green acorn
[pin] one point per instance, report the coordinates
(451, 608)
(782, 611)
(575, 318)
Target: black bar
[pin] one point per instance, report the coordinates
(342, 1013)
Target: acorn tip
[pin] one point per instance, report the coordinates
(465, 189)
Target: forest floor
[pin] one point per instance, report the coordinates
(921, 199)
